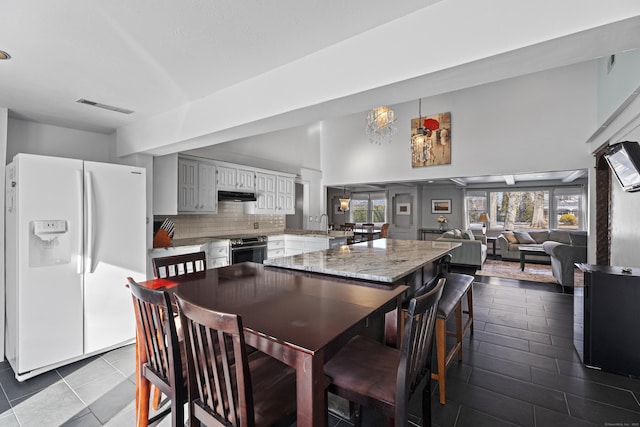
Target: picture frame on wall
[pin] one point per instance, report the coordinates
(440, 206)
(403, 209)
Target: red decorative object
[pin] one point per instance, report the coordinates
(431, 124)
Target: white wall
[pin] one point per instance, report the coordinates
(615, 85)
(288, 150)
(4, 120)
(36, 138)
(534, 123)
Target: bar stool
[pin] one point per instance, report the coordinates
(456, 287)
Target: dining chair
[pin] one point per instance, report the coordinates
(349, 226)
(368, 227)
(228, 386)
(158, 355)
(384, 230)
(171, 266)
(369, 373)
(177, 265)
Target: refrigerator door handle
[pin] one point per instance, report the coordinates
(80, 263)
(89, 224)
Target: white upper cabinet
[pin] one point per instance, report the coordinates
(207, 192)
(275, 193)
(226, 177)
(286, 196)
(183, 185)
(235, 178)
(265, 192)
(189, 185)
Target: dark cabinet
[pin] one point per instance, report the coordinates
(606, 331)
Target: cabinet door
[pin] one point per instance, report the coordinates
(227, 179)
(207, 194)
(265, 193)
(187, 185)
(245, 180)
(286, 195)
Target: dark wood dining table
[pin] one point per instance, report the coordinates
(301, 319)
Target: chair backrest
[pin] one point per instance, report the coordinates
(158, 339)
(416, 349)
(384, 230)
(220, 388)
(348, 226)
(177, 265)
(368, 226)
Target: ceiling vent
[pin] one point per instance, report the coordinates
(105, 106)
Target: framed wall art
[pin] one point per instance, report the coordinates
(431, 140)
(403, 208)
(440, 206)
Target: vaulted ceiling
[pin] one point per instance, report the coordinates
(232, 68)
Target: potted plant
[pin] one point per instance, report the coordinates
(442, 220)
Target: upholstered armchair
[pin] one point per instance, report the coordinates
(472, 252)
(564, 256)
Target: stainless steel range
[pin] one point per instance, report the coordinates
(252, 249)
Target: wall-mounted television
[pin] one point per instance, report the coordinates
(624, 160)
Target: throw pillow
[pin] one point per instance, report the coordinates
(511, 238)
(578, 239)
(468, 235)
(539, 236)
(523, 237)
(448, 234)
(457, 234)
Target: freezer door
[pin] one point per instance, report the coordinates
(115, 240)
(44, 277)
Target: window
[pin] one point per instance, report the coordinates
(368, 207)
(568, 208)
(521, 209)
(475, 204)
(538, 208)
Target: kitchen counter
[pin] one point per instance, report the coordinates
(194, 241)
(382, 260)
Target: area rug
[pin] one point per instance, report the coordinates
(532, 272)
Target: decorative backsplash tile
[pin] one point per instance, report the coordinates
(230, 220)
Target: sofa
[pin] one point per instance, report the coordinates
(509, 241)
(473, 251)
(564, 256)
(563, 247)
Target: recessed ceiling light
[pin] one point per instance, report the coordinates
(4, 55)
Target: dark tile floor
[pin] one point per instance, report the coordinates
(519, 369)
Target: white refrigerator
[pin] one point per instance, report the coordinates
(75, 230)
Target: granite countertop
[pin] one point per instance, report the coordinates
(204, 240)
(382, 260)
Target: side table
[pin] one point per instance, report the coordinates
(493, 241)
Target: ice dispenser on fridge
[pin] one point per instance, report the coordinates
(49, 243)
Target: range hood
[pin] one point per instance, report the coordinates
(236, 196)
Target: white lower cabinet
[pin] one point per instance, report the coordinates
(218, 253)
(275, 246)
(300, 244)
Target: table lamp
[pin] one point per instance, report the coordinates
(484, 219)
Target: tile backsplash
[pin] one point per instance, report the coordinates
(230, 220)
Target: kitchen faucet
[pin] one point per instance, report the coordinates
(320, 221)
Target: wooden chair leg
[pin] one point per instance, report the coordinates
(441, 343)
(458, 316)
(470, 308)
(157, 398)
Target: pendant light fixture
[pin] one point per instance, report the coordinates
(380, 124)
(344, 201)
(418, 140)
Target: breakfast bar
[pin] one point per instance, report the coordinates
(384, 261)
